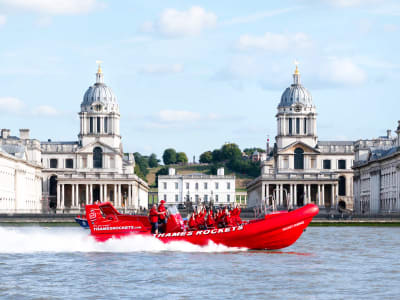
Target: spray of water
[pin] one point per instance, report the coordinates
(39, 239)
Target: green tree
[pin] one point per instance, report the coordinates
(169, 156)
(206, 157)
(141, 165)
(217, 155)
(230, 151)
(162, 171)
(181, 158)
(250, 151)
(153, 161)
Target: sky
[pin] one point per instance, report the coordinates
(194, 75)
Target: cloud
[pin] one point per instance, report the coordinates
(162, 69)
(352, 3)
(274, 42)
(44, 21)
(45, 110)
(52, 7)
(3, 20)
(179, 119)
(258, 16)
(175, 23)
(10, 104)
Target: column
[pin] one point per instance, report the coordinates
(87, 194)
(291, 196)
(77, 195)
(309, 194)
(267, 194)
(336, 193)
(115, 194)
(323, 195)
(91, 194)
(105, 193)
(332, 196)
(72, 195)
(319, 195)
(62, 196)
(119, 195)
(58, 196)
(263, 192)
(281, 195)
(101, 193)
(295, 195)
(129, 196)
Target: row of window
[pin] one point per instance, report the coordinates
(196, 185)
(97, 121)
(297, 120)
(197, 198)
(326, 163)
(69, 162)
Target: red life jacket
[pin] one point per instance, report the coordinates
(153, 216)
(161, 208)
(210, 220)
(192, 223)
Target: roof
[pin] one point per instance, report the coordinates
(338, 143)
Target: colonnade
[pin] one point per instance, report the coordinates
(280, 192)
(82, 194)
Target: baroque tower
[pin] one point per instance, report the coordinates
(296, 117)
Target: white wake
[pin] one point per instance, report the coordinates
(52, 239)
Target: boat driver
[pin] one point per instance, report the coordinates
(162, 218)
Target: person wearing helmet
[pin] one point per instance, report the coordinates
(162, 216)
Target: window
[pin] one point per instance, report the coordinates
(176, 198)
(165, 198)
(326, 164)
(205, 185)
(342, 186)
(297, 126)
(165, 185)
(97, 158)
(69, 163)
(98, 124)
(313, 163)
(187, 185)
(53, 163)
(206, 198)
(228, 198)
(196, 197)
(228, 185)
(299, 159)
(216, 185)
(342, 164)
(91, 124)
(216, 198)
(197, 186)
(290, 126)
(176, 185)
(305, 126)
(105, 124)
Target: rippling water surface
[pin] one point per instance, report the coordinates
(325, 263)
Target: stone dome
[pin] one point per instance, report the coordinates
(296, 93)
(100, 94)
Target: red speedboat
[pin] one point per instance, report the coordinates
(274, 231)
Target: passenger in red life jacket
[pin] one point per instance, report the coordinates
(228, 219)
(162, 218)
(220, 219)
(192, 222)
(238, 211)
(201, 222)
(153, 218)
(210, 220)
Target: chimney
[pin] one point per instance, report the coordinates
(221, 172)
(267, 147)
(389, 133)
(171, 171)
(24, 134)
(5, 133)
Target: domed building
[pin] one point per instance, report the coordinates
(94, 168)
(302, 169)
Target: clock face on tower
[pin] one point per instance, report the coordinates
(297, 108)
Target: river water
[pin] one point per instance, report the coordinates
(325, 263)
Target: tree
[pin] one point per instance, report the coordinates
(230, 151)
(250, 151)
(181, 158)
(217, 155)
(141, 167)
(206, 157)
(169, 156)
(162, 171)
(153, 161)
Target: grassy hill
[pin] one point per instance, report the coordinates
(241, 179)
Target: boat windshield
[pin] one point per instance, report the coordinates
(172, 210)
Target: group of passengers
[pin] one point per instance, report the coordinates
(203, 219)
(158, 217)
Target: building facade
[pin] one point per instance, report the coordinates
(377, 175)
(20, 174)
(303, 169)
(197, 188)
(94, 168)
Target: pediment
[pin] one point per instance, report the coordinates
(306, 148)
(89, 148)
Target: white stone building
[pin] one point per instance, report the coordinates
(20, 174)
(197, 188)
(302, 169)
(377, 175)
(94, 168)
